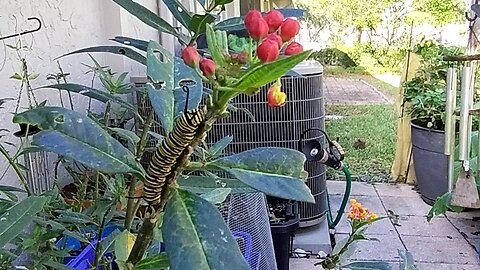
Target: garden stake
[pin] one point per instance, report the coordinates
(450, 120)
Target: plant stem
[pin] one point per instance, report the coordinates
(98, 247)
(131, 209)
(144, 237)
(65, 81)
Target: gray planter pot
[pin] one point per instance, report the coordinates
(431, 164)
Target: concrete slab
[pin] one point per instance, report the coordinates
(386, 249)
(471, 228)
(304, 264)
(406, 206)
(445, 266)
(349, 91)
(395, 190)
(313, 239)
(417, 225)
(383, 226)
(440, 250)
(466, 214)
(358, 188)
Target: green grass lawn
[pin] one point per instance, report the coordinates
(374, 124)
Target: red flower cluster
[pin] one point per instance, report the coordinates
(191, 58)
(272, 30)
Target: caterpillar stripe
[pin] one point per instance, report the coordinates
(167, 154)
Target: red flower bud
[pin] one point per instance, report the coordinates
(276, 38)
(268, 50)
(274, 19)
(207, 66)
(190, 56)
(251, 17)
(258, 28)
(289, 29)
(293, 48)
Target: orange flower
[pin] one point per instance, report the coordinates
(275, 97)
(360, 213)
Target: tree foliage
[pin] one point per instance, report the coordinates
(441, 12)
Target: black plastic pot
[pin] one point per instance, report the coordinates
(431, 164)
(282, 236)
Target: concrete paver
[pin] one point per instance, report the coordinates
(406, 206)
(347, 91)
(419, 226)
(440, 250)
(444, 243)
(358, 188)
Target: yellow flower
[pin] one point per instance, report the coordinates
(275, 97)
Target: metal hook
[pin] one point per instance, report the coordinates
(467, 16)
(186, 90)
(28, 31)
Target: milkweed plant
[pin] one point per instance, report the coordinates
(163, 202)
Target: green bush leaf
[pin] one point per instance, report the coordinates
(441, 206)
(198, 24)
(204, 184)
(193, 226)
(275, 171)
(217, 195)
(126, 134)
(96, 94)
(123, 245)
(217, 149)
(156, 262)
(186, 75)
(213, 48)
(161, 72)
(269, 72)
(17, 217)
(179, 12)
(112, 49)
(75, 136)
(147, 16)
(136, 43)
(231, 24)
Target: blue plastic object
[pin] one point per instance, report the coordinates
(252, 258)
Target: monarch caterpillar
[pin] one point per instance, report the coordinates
(166, 155)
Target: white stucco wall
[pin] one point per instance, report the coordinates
(69, 25)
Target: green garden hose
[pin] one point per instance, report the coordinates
(333, 223)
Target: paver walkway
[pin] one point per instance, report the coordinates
(346, 91)
(447, 242)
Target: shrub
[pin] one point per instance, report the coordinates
(333, 57)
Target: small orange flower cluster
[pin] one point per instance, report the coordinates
(360, 213)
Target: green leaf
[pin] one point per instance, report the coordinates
(198, 23)
(368, 266)
(217, 149)
(4, 205)
(274, 171)
(193, 226)
(407, 262)
(156, 262)
(136, 43)
(56, 265)
(11, 189)
(107, 242)
(126, 134)
(231, 24)
(123, 245)
(147, 16)
(222, 2)
(441, 206)
(73, 217)
(217, 195)
(179, 12)
(17, 217)
(215, 51)
(204, 184)
(186, 75)
(269, 72)
(76, 136)
(112, 49)
(96, 94)
(161, 72)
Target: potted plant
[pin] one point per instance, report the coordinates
(427, 100)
